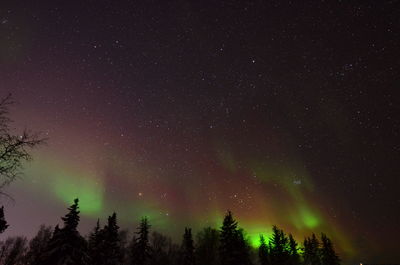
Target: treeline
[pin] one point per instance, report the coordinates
(108, 245)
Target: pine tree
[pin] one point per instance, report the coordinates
(263, 254)
(279, 254)
(71, 219)
(233, 249)
(243, 248)
(67, 246)
(3, 222)
(227, 239)
(312, 251)
(188, 248)
(328, 254)
(94, 244)
(111, 245)
(294, 258)
(94, 236)
(140, 248)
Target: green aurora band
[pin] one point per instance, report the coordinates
(291, 208)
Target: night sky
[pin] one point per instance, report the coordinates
(284, 112)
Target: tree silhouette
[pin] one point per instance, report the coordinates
(228, 237)
(173, 253)
(263, 254)
(110, 246)
(311, 251)
(279, 253)
(328, 254)
(140, 248)
(67, 246)
(38, 245)
(106, 246)
(71, 219)
(123, 244)
(159, 244)
(294, 257)
(243, 248)
(94, 244)
(13, 251)
(188, 248)
(14, 149)
(207, 246)
(3, 222)
(233, 249)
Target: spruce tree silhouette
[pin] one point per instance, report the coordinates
(243, 248)
(233, 249)
(71, 219)
(328, 254)
(228, 237)
(279, 253)
(294, 258)
(140, 248)
(111, 245)
(188, 248)
(94, 244)
(263, 254)
(311, 253)
(67, 246)
(3, 222)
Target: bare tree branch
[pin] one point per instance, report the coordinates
(14, 149)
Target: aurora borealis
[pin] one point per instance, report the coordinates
(283, 112)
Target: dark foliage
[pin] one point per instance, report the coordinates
(312, 252)
(279, 247)
(263, 252)
(67, 246)
(3, 222)
(188, 248)
(328, 254)
(294, 257)
(207, 247)
(140, 248)
(108, 245)
(38, 245)
(94, 245)
(233, 248)
(13, 251)
(160, 246)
